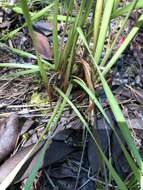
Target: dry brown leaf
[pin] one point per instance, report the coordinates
(43, 46)
(9, 131)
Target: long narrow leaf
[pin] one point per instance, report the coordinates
(99, 106)
(115, 108)
(58, 112)
(124, 45)
(118, 180)
(55, 36)
(109, 50)
(125, 9)
(19, 65)
(97, 21)
(103, 30)
(29, 23)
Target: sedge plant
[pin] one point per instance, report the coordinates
(66, 58)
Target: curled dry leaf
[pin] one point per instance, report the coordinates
(87, 71)
(43, 46)
(9, 130)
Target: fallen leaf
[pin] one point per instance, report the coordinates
(43, 46)
(9, 130)
(57, 150)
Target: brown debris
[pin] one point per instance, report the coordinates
(9, 131)
(43, 46)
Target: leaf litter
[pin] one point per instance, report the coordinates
(63, 158)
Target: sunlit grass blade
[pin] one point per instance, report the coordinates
(116, 3)
(103, 30)
(19, 65)
(55, 36)
(115, 108)
(97, 22)
(91, 94)
(125, 9)
(115, 176)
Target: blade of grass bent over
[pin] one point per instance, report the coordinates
(117, 179)
(59, 109)
(115, 108)
(93, 97)
(99, 106)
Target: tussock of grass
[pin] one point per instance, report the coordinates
(64, 62)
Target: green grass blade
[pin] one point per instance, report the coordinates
(29, 23)
(23, 73)
(72, 34)
(55, 36)
(25, 54)
(36, 166)
(109, 50)
(34, 16)
(103, 30)
(125, 9)
(117, 179)
(42, 12)
(19, 65)
(126, 42)
(116, 3)
(97, 20)
(92, 96)
(11, 34)
(57, 113)
(99, 106)
(115, 108)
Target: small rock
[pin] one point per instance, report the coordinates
(125, 81)
(138, 79)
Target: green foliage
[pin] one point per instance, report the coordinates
(65, 54)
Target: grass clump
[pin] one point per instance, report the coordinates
(86, 36)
